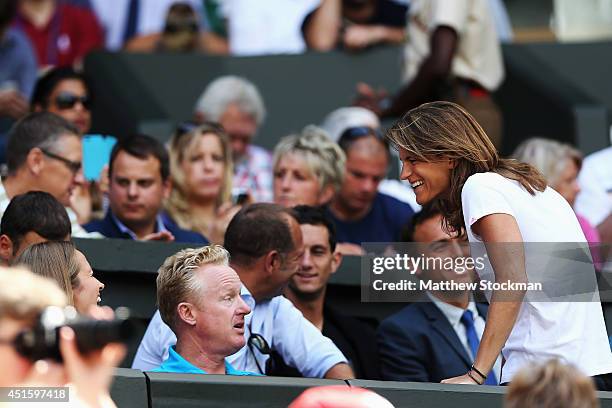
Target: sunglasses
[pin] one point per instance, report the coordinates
(186, 127)
(173, 28)
(353, 133)
(73, 166)
(66, 100)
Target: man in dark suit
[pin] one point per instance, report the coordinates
(437, 338)
(139, 181)
(307, 288)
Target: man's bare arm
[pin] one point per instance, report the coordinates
(322, 31)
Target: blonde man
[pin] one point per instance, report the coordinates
(308, 168)
(199, 298)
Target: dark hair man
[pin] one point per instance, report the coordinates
(265, 245)
(29, 219)
(444, 328)
(139, 182)
(307, 289)
(66, 93)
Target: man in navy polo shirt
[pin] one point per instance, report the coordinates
(139, 173)
(360, 212)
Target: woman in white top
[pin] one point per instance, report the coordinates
(447, 157)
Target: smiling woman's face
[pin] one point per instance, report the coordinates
(429, 179)
(87, 293)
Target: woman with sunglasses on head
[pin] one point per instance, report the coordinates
(201, 169)
(448, 158)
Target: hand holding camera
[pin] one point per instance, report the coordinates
(90, 349)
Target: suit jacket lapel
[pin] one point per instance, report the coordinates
(482, 310)
(440, 323)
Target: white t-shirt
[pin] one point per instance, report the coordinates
(594, 201)
(113, 15)
(574, 332)
(478, 56)
(266, 26)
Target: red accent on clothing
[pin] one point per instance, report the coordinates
(478, 92)
(70, 34)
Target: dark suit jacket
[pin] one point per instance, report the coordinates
(355, 339)
(419, 344)
(109, 229)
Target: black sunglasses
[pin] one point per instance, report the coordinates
(73, 166)
(67, 100)
(173, 28)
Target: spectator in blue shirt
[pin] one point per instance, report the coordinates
(360, 212)
(139, 182)
(265, 244)
(199, 298)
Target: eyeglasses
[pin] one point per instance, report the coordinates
(259, 342)
(67, 100)
(73, 166)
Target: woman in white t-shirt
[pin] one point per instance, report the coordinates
(448, 158)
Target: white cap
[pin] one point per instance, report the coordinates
(343, 118)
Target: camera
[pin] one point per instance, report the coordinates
(42, 341)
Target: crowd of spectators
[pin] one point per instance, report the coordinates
(271, 227)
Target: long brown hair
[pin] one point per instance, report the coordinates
(55, 260)
(445, 129)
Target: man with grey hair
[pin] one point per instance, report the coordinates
(237, 105)
(199, 298)
(44, 153)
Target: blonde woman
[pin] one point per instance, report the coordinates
(308, 168)
(560, 164)
(63, 263)
(551, 385)
(201, 170)
(448, 158)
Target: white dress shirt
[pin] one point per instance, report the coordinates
(453, 315)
